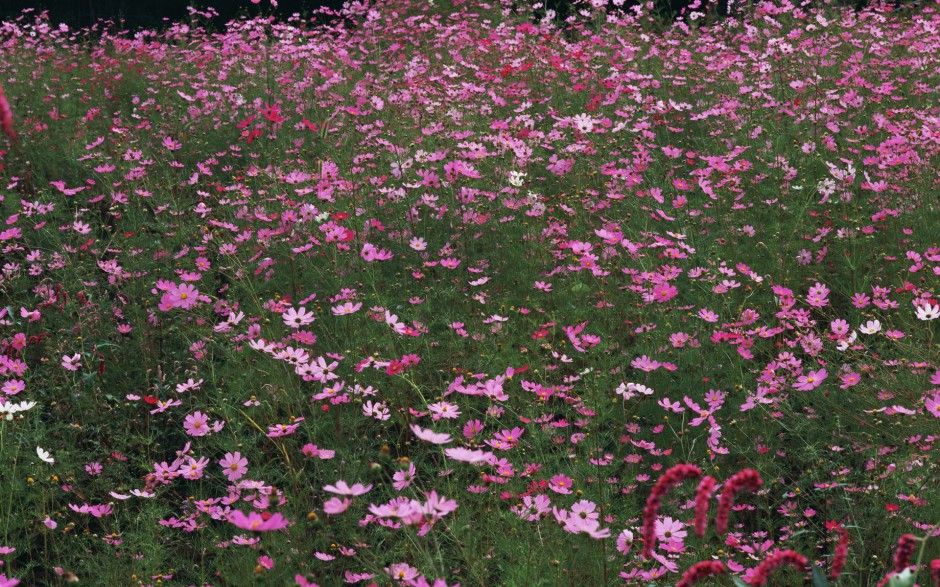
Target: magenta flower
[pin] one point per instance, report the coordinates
(256, 522)
(335, 505)
(183, 296)
(196, 424)
(234, 466)
(818, 296)
(402, 479)
(430, 435)
(311, 450)
(73, 363)
(560, 484)
(811, 380)
(402, 573)
(699, 571)
(342, 488)
(849, 380)
(671, 478)
(467, 455)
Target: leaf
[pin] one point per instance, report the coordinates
(819, 578)
(739, 582)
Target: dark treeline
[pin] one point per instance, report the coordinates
(137, 14)
(674, 8)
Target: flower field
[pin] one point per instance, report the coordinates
(440, 294)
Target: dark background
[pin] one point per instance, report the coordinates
(155, 13)
(152, 13)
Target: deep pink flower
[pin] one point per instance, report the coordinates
(778, 559)
(183, 296)
(703, 495)
(811, 380)
(560, 484)
(196, 424)
(841, 553)
(234, 466)
(666, 482)
(904, 552)
(335, 505)
(699, 571)
(6, 125)
(745, 479)
(257, 522)
(342, 488)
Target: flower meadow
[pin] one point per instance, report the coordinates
(464, 295)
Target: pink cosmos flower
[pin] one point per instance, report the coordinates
(664, 292)
(510, 437)
(668, 530)
(257, 522)
(444, 410)
(346, 308)
(295, 318)
(335, 505)
(430, 435)
(311, 450)
(13, 387)
(624, 541)
(196, 424)
(95, 510)
(811, 380)
(402, 479)
(402, 573)
(279, 430)
(342, 488)
(533, 509)
(818, 296)
(184, 296)
(560, 484)
(73, 363)
(933, 405)
(234, 466)
(467, 455)
(849, 380)
(6, 125)
(193, 469)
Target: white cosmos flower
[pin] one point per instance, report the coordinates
(870, 327)
(44, 455)
(928, 312)
(845, 343)
(9, 408)
(584, 122)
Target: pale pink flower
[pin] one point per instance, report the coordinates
(342, 488)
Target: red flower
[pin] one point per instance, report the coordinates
(744, 479)
(701, 570)
(667, 481)
(6, 117)
(781, 558)
(842, 550)
(703, 495)
(902, 556)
